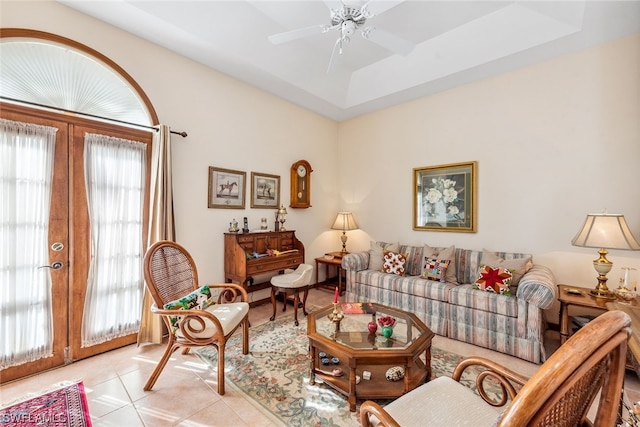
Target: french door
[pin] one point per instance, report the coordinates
(75, 257)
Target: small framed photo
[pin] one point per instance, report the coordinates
(265, 190)
(227, 188)
(445, 198)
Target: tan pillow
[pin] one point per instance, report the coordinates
(376, 254)
(447, 253)
(518, 266)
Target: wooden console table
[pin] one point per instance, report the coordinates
(240, 265)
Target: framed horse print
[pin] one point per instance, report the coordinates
(265, 190)
(227, 188)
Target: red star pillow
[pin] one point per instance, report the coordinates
(494, 279)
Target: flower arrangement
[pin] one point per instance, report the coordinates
(441, 198)
(386, 321)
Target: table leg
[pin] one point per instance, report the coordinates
(352, 389)
(340, 280)
(316, 284)
(273, 302)
(564, 322)
(312, 374)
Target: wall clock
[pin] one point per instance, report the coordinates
(301, 184)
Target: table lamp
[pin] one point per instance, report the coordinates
(345, 222)
(605, 231)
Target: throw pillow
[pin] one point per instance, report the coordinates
(198, 300)
(518, 266)
(443, 253)
(435, 269)
(494, 279)
(394, 263)
(377, 253)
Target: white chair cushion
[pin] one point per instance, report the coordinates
(442, 402)
(229, 315)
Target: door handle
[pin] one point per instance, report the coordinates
(57, 265)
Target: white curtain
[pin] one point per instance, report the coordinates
(115, 177)
(161, 223)
(26, 172)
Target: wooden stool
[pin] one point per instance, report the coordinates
(292, 283)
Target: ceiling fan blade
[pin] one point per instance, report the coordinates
(388, 41)
(297, 34)
(334, 4)
(376, 7)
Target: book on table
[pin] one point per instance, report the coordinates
(358, 308)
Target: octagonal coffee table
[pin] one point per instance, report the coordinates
(355, 350)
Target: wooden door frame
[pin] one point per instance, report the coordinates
(69, 304)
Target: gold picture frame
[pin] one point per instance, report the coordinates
(445, 197)
(265, 190)
(227, 188)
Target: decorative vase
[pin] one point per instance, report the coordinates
(387, 331)
(372, 327)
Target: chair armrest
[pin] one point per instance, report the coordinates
(372, 408)
(229, 292)
(538, 287)
(191, 322)
(356, 261)
(510, 382)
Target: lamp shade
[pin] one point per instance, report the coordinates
(345, 222)
(609, 231)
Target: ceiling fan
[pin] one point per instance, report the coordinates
(346, 19)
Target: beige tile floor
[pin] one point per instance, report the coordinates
(185, 394)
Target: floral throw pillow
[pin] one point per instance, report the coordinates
(394, 263)
(435, 269)
(198, 300)
(494, 279)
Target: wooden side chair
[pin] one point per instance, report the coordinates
(192, 316)
(560, 393)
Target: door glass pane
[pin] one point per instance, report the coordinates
(26, 172)
(115, 177)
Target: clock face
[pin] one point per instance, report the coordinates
(302, 171)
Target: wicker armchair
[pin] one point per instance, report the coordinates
(560, 393)
(171, 274)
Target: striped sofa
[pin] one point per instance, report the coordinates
(514, 325)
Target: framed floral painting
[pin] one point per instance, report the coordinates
(445, 197)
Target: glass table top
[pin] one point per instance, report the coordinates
(353, 328)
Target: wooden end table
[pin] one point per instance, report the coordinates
(357, 351)
(336, 262)
(579, 298)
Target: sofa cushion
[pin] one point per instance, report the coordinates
(414, 259)
(517, 266)
(471, 299)
(444, 253)
(494, 279)
(468, 262)
(410, 285)
(435, 269)
(394, 262)
(376, 253)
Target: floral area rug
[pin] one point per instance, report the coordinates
(275, 375)
(64, 405)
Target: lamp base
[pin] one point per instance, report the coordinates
(602, 293)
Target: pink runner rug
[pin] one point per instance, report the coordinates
(65, 406)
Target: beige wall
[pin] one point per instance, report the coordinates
(553, 142)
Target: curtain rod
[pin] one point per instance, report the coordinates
(93, 116)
